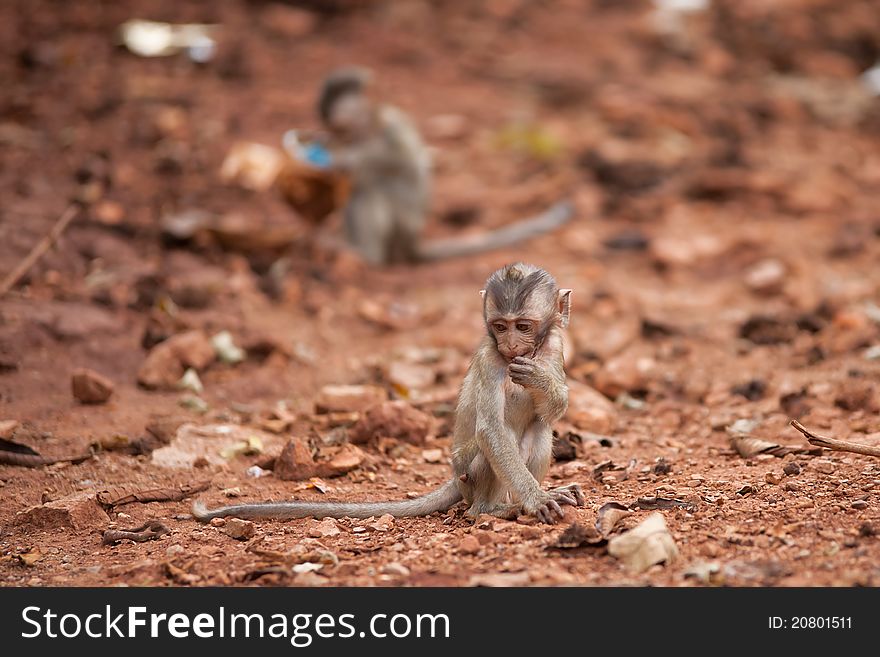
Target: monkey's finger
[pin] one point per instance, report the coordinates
(555, 508)
(520, 368)
(565, 498)
(522, 360)
(543, 517)
(579, 495)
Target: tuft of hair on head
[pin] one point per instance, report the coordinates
(339, 83)
(509, 289)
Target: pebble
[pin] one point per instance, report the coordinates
(792, 469)
(824, 466)
(395, 568)
(772, 478)
(324, 528)
(89, 387)
(859, 504)
(432, 455)
(174, 550)
(469, 545)
(240, 530)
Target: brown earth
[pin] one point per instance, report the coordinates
(723, 261)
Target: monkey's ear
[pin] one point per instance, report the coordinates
(483, 294)
(563, 301)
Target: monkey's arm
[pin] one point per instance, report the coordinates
(545, 383)
(498, 443)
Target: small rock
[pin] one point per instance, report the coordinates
(218, 522)
(628, 372)
(295, 462)
(432, 455)
(168, 360)
(772, 478)
(766, 277)
(256, 472)
(240, 530)
(824, 466)
(383, 524)
(859, 504)
(226, 349)
(174, 550)
(406, 377)
(335, 398)
(394, 419)
(792, 469)
(395, 568)
(235, 491)
(469, 545)
(89, 387)
(792, 486)
(78, 512)
(191, 381)
(569, 514)
(347, 458)
(590, 410)
(7, 428)
(193, 403)
(324, 528)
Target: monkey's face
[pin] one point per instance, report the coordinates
(351, 116)
(514, 336)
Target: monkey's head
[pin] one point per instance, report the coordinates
(344, 105)
(521, 304)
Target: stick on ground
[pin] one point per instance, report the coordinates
(39, 250)
(836, 445)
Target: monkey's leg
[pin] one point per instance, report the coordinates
(369, 223)
(482, 488)
(536, 447)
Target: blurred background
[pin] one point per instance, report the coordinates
(722, 156)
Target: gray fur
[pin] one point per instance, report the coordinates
(389, 168)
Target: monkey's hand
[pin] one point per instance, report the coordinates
(546, 507)
(571, 494)
(528, 373)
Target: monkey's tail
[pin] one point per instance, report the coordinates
(551, 219)
(438, 500)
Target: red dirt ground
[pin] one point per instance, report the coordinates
(744, 151)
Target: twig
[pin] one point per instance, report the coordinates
(836, 445)
(149, 531)
(39, 250)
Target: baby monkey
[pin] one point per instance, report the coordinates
(382, 153)
(513, 391)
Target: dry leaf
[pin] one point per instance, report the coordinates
(609, 515)
(577, 535)
(647, 544)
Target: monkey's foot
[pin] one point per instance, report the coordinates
(505, 511)
(571, 494)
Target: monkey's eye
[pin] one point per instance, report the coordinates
(523, 327)
(499, 327)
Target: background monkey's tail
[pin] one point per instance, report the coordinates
(452, 247)
(438, 500)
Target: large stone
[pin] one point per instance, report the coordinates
(394, 419)
(89, 387)
(78, 512)
(589, 409)
(335, 398)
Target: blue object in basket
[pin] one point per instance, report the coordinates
(315, 154)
